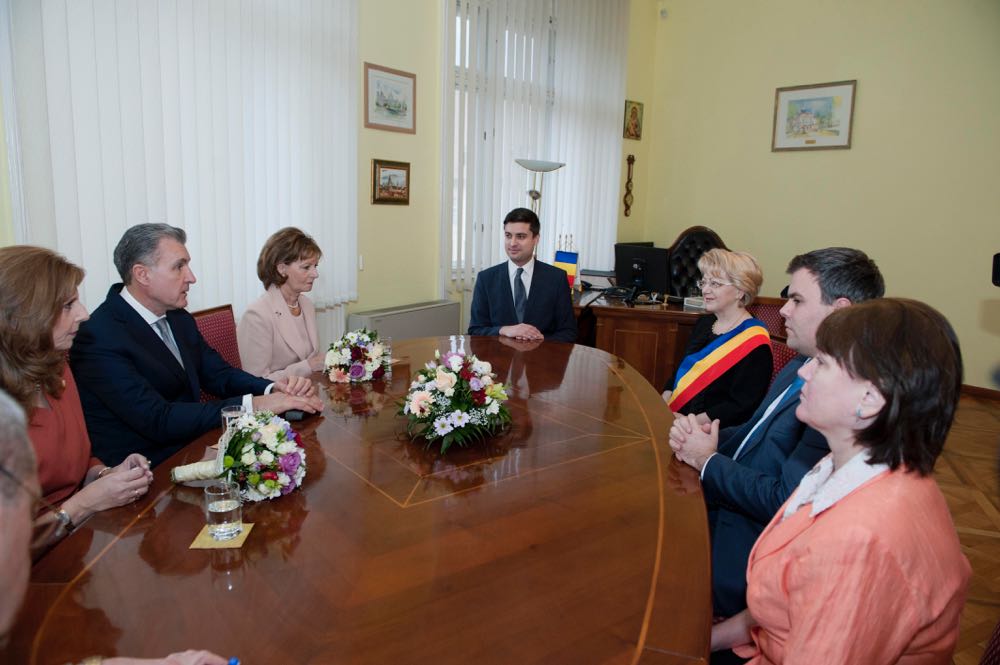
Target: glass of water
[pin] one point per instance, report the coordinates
(387, 343)
(223, 511)
(230, 414)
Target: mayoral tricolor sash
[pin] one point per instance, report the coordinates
(699, 369)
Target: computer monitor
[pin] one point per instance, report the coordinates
(643, 266)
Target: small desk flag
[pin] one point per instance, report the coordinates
(568, 261)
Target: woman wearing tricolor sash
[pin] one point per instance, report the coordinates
(727, 364)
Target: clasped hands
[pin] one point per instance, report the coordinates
(295, 392)
(694, 438)
(522, 331)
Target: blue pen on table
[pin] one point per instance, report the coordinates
(233, 661)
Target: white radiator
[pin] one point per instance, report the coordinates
(422, 319)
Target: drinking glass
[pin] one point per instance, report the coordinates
(223, 511)
(387, 343)
(230, 414)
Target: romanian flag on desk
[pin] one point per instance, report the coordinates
(568, 262)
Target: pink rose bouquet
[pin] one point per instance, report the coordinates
(455, 399)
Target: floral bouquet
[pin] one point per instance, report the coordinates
(355, 399)
(456, 401)
(357, 356)
(264, 455)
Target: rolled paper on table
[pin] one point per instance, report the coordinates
(196, 471)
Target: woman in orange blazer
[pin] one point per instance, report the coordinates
(277, 333)
(862, 564)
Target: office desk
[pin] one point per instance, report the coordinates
(574, 537)
(651, 338)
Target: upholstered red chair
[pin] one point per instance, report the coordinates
(767, 310)
(218, 326)
(992, 654)
(781, 355)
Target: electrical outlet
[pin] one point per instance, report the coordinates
(361, 262)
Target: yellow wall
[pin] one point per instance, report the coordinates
(920, 188)
(400, 243)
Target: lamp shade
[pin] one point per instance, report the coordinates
(539, 165)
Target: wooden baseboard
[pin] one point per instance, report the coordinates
(977, 391)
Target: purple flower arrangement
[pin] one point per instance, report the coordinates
(358, 356)
(264, 456)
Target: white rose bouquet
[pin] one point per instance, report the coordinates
(264, 456)
(455, 399)
(357, 356)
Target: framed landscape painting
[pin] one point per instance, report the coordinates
(813, 117)
(390, 99)
(390, 182)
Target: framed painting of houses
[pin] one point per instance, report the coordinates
(813, 117)
(390, 182)
(390, 99)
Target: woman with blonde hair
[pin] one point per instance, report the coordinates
(727, 364)
(40, 312)
(277, 334)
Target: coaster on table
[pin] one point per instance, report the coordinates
(204, 541)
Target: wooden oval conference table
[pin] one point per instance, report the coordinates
(574, 537)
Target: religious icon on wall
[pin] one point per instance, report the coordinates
(633, 120)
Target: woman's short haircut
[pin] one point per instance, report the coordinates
(910, 353)
(738, 268)
(35, 283)
(286, 246)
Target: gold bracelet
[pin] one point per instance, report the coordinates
(100, 474)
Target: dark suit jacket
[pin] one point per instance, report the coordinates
(744, 494)
(549, 307)
(136, 397)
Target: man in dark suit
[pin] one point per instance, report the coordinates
(140, 362)
(523, 298)
(748, 471)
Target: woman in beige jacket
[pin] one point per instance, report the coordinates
(277, 333)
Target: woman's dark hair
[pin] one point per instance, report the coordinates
(909, 351)
(286, 246)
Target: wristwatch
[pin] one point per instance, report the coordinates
(67, 522)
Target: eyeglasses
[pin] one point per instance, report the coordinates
(46, 533)
(714, 284)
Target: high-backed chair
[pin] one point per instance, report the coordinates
(781, 355)
(768, 310)
(218, 326)
(684, 255)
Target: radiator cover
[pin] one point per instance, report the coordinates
(423, 319)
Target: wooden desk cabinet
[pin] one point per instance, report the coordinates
(651, 339)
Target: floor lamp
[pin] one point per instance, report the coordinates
(538, 168)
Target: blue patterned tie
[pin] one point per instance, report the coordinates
(519, 296)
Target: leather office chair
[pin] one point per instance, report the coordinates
(218, 326)
(684, 255)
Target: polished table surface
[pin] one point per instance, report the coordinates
(574, 537)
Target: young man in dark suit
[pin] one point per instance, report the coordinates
(748, 471)
(140, 362)
(523, 298)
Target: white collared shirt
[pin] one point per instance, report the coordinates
(147, 315)
(823, 486)
(529, 268)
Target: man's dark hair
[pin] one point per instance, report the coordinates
(526, 216)
(140, 243)
(842, 272)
